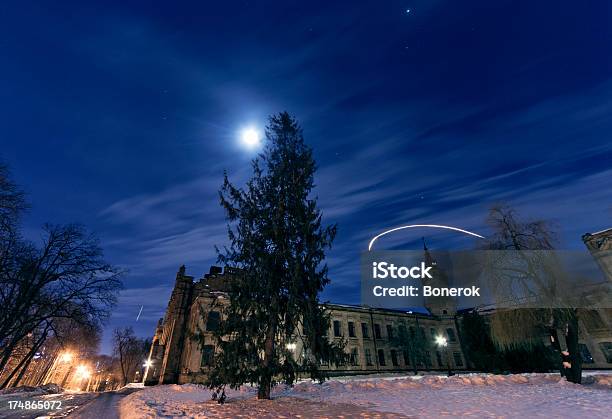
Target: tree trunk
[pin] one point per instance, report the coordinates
(24, 363)
(23, 370)
(574, 373)
(265, 381)
(7, 352)
(18, 368)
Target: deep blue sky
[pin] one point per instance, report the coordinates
(123, 117)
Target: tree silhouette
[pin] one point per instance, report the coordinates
(278, 243)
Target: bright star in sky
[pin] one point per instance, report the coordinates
(250, 138)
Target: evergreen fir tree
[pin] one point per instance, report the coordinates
(278, 244)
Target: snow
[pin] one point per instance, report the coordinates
(476, 395)
(70, 400)
(44, 389)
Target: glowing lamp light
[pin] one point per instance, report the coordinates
(441, 341)
(250, 138)
(82, 371)
(147, 363)
(291, 346)
(66, 357)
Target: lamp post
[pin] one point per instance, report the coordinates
(66, 358)
(443, 343)
(83, 373)
(147, 364)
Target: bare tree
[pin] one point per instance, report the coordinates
(12, 202)
(63, 278)
(130, 352)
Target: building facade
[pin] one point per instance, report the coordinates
(183, 346)
(597, 332)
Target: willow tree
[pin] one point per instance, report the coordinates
(277, 245)
(530, 283)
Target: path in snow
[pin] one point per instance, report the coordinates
(104, 406)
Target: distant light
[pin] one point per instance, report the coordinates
(83, 371)
(441, 341)
(407, 11)
(66, 357)
(291, 346)
(147, 363)
(250, 138)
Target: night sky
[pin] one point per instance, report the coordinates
(123, 117)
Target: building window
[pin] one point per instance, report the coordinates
(368, 356)
(406, 356)
(337, 331)
(364, 331)
(451, 334)
(394, 359)
(381, 357)
(351, 329)
(213, 320)
(208, 352)
(354, 359)
(403, 332)
(585, 354)
(595, 323)
(389, 331)
(377, 334)
(606, 349)
(458, 359)
(439, 359)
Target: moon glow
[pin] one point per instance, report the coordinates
(250, 138)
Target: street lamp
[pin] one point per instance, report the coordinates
(147, 364)
(443, 343)
(83, 371)
(67, 358)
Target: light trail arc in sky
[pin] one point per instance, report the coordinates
(421, 225)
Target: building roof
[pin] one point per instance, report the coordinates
(597, 233)
(386, 310)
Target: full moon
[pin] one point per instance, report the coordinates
(250, 138)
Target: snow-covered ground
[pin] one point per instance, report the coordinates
(41, 402)
(475, 395)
